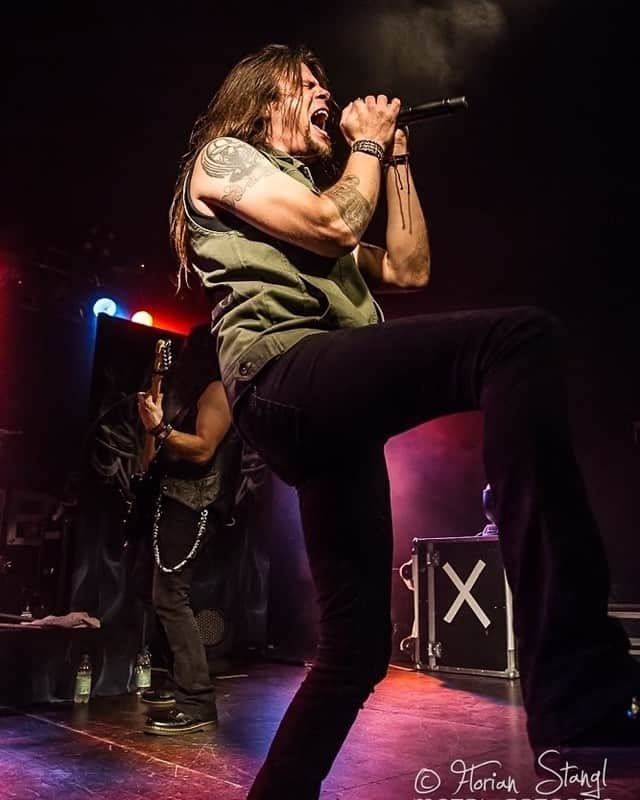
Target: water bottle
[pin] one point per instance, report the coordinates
(143, 670)
(82, 690)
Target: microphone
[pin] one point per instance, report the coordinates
(437, 108)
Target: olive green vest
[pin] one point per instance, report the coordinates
(280, 293)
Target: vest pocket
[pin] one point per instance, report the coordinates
(320, 302)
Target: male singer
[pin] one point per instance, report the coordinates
(318, 382)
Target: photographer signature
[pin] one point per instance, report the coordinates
(490, 776)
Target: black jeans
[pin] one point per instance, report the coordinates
(320, 416)
(190, 678)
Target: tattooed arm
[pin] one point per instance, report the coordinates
(233, 175)
(406, 262)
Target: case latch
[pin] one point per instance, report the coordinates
(434, 650)
(433, 559)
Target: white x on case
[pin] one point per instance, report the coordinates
(463, 607)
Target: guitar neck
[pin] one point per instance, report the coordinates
(154, 389)
(160, 365)
(149, 447)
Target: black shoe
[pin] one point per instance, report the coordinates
(158, 697)
(615, 738)
(620, 728)
(176, 722)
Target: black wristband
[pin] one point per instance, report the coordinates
(393, 161)
(164, 433)
(369, 147)
(156, 428)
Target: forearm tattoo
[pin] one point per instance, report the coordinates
(237, 162)
(354, 208)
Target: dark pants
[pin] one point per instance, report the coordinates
(321, 414)
(190, 678)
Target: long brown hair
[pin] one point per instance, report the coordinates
(240, 109)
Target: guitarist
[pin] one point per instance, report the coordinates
(197, 456)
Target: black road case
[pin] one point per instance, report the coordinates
(463, 607)
(629, 616)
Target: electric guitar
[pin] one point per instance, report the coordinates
(143, 485)
(161, 363)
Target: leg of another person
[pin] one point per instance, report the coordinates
(193, 688)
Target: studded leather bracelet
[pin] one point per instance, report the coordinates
(369, 147)
(157, 428)
(163, 433)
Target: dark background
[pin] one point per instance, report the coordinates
(530, 197)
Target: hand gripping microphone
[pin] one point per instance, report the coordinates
(437, 108)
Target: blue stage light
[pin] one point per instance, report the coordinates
(105, 305)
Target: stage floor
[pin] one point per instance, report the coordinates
(413, 731)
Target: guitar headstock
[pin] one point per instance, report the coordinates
(163, 356)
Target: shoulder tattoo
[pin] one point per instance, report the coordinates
(241, 165)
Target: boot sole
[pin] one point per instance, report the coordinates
(198, 726)
(171, 702)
